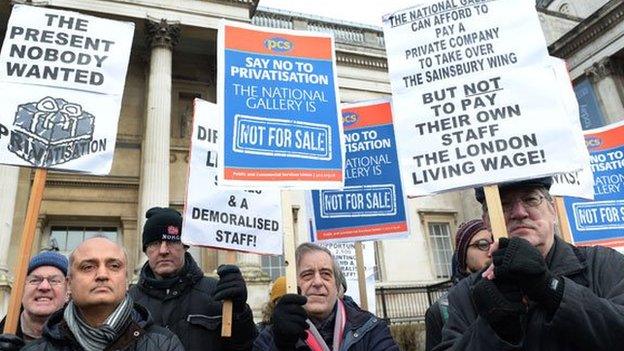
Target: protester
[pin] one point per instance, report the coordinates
(318, 319)
(180, 298)
(278, 289)
(472, 245)
(541, 293)
(45, 292)
(101, 315)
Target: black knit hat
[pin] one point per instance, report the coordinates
(162, 224)
(544, 182)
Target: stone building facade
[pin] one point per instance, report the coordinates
(173, 60)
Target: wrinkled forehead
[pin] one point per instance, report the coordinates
(98, 251)
(47, 271)
(315, 260)
(516, 192)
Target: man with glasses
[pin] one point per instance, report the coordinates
(45, 292)
(180, 298)
(540, 293)
(472, 246)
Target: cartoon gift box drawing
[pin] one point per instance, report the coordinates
(51, 131)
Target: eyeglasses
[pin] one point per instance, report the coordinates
(481, 244)
(53, 280)
(527, 201)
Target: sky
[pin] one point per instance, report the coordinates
(359, 11)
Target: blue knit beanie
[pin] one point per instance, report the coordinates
(49, 258)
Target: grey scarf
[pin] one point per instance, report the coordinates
(97, 339)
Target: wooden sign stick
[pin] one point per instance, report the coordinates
(290, 218)
(562, 216)
(226, 312)
(361, 272)
(495, 211)
(28, 236)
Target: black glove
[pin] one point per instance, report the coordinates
(517, 260)
(10, 342)
(500, 303)
(231, 286)
(289, 321)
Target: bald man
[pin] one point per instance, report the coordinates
(101, 315)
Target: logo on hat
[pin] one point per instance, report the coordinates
(173, 230)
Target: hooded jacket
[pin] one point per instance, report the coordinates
(188, 309)
(140, 334)
(590, 316)
(363, 332)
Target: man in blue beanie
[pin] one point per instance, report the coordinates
(45, 292)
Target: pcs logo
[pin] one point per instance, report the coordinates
(277, 44)
(349, 118)
(593, 142)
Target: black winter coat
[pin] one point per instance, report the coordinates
(139, 335)
(590, 316)
(363, 332)
(189, 311)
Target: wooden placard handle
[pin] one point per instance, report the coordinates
(290, 218)
(495, 211)
(28, 236)
(361, 272)
(562, 216)
(226, 312)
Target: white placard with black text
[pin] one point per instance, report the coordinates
(225, 217)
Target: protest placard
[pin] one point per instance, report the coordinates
(372, 204)
(278, 94)
(438, 41)
(489, 131)
(344, 254)
(62, 79)
(473, 114)
(222, 217)
(579, 183)
(601, 222)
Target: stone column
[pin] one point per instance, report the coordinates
(154, 187)
(8, 188)
(607, 76)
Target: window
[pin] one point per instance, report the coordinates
(273, 266)
(439, 227)
(67, 238)
(441, 248)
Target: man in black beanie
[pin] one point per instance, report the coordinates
(540, 293)
(180, 298)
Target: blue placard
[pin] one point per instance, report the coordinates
(601, 221)
(371, 205)
(589, 111)
(281, 119)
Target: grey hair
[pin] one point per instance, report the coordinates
(341, 282)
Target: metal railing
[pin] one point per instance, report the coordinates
(409, 303)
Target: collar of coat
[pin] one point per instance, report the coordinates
(565, 259)
(188, 276)
(56, 330)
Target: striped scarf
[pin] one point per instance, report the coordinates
(97, 339)
(314, 339)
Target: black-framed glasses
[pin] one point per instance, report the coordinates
(481, 244)
(53, 280)
(527, 201)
